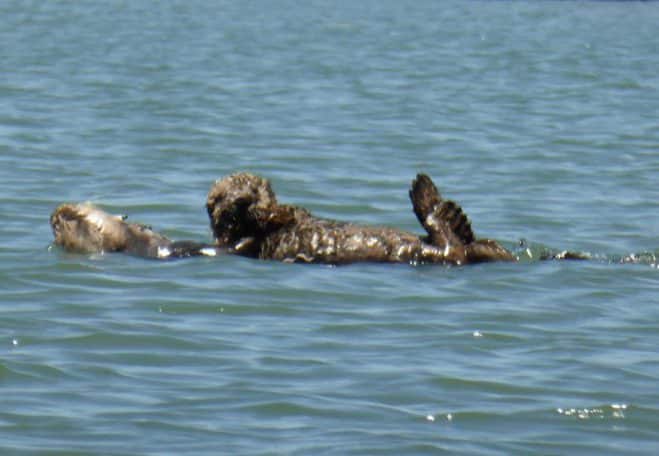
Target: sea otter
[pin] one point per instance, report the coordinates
(246, 218)
(88, 229)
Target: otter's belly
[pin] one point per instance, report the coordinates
(326, 242)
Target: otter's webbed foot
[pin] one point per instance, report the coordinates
(425, 197)
(442, 219)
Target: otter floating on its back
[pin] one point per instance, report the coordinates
(87, 229)
(246, 218)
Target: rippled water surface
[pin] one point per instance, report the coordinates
(540, 118)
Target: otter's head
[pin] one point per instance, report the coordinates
(85, 228)
(232, 205)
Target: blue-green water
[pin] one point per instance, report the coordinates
(541, 118)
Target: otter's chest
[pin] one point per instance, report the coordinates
(335, 242)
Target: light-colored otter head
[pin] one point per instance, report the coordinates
(233, 204)
(85, 228)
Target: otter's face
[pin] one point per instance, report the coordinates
(85, 228)
(230, 205)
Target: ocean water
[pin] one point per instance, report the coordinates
(540, 118)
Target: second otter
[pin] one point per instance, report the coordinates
(87, 229)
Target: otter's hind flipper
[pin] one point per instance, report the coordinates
(452, 213)
(425, 197)
(442, 219)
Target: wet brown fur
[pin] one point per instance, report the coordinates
(246, 218)
(85, 228)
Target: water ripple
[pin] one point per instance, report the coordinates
(540, 131)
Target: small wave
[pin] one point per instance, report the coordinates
(612, 411)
